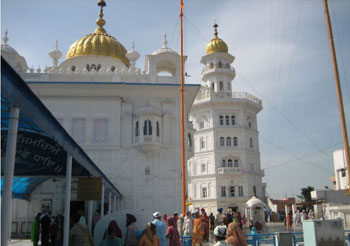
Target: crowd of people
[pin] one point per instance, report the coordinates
(298, 218)
(161, 231)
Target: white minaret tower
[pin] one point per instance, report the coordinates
(224, 171)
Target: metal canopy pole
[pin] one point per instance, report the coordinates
(110, 202)
(90, 205)
(114, 203)
(67, 200)
(9, 166)
(102, 200)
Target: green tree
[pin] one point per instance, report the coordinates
(306, 193)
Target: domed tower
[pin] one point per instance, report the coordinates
(97, 51)
(12, 57)
(224, 171)
(218, 72)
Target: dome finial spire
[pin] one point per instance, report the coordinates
(215, 29)
(101, 22)
(5, 39)
(165, 42)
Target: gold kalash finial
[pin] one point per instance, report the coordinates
(216, 29)
(101, 22)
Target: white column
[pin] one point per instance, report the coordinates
(110, 203)
(115, 203)
(9, 166)
(67, 200)
(26, 228)
(90, 205)
(102, 200)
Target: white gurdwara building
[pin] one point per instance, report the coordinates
(224, 171)
(128, 121)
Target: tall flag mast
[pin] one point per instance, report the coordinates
(339, 94)
(182, 115)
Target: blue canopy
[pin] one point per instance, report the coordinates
(37, 125)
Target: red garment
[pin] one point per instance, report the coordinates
(289, 220)
(205, 220)
(172, 234)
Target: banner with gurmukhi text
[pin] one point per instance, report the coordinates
(39, 155)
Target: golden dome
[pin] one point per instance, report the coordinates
(98, 43)
(216, 44)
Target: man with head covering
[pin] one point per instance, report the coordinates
(161, 228)
(235, 236)
(130, 236)
(220, 236)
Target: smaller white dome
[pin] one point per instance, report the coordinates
(165, 48)
(254, 201)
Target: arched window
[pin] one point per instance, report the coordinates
(219, 64)
(113, 68)
(227, 119)
(222, 141)
(189, 139)
(202, 143)
(98, 67)
(228, 141)
(137, 130)
(236, 163)
(158, 133)
(211, 65)
(233, 120)
(221, 86)
(229, 163)
(235, 141)
(88, 67)
(212, 85)
(147, 128)
(250, 142)
(221, 119)
(93, 66)
(229, 86)
(249, 124)
(223, 163)
(73, 68)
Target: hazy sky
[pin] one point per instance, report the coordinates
(282, 56)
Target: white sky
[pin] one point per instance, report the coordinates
(282, 56)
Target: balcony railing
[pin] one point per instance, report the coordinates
(222, 170)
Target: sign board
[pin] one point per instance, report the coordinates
(347, 191)
(89, 188)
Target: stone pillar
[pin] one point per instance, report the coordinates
(67, 200)
(9, 167)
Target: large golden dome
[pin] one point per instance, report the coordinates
(216, 44)
(98, 43)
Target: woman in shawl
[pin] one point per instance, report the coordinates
(35, 232)
(111, 239)
(205, 220)
(148, 237)
(198, 230)
(172, 233)
(114, 227)
(235, 235)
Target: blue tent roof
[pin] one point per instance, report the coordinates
(37, 121)
(23, 186)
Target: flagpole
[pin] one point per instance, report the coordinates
(339, 94)
(182, 116)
